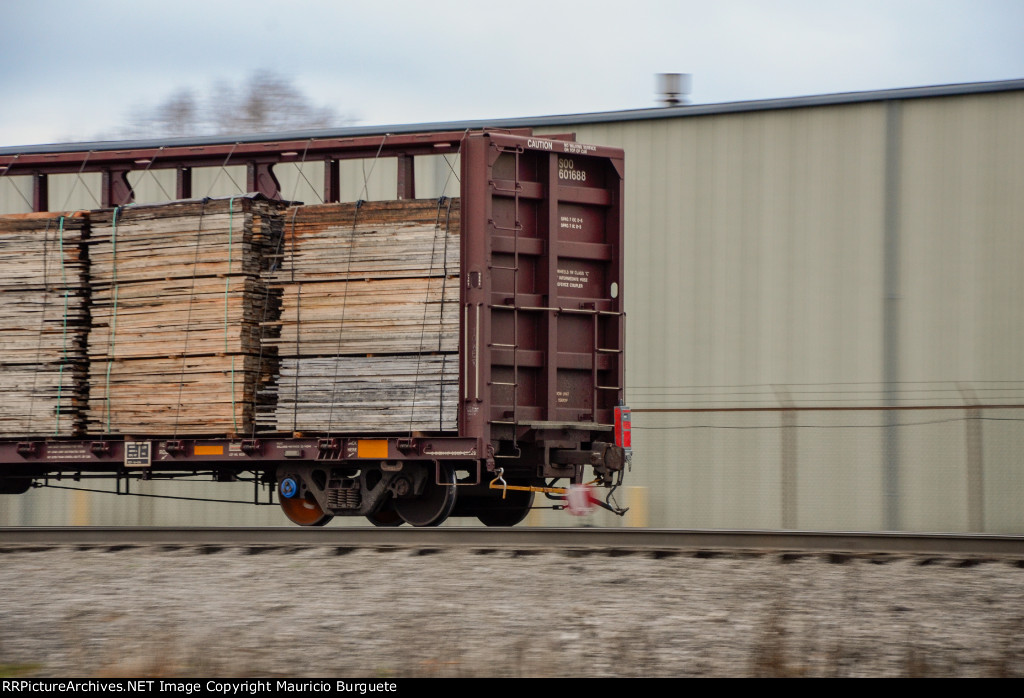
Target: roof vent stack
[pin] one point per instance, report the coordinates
(674, 88)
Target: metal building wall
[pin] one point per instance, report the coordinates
(848, 256)
(961, 230)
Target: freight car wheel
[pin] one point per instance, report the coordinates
(433, 506)
(386, 516)
(304, 511)
(505, 512)
(15, 485)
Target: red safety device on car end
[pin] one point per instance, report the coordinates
(623, 425)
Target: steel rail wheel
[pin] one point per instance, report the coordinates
(386, 516)
(15, 485)
(434, 505)
(304, 511)
(495, 511)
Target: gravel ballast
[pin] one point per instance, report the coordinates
(329, 612)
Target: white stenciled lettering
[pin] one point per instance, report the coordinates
(571, 223)
(537, 143)
(581, 148)
(567, 170)
(572, 278)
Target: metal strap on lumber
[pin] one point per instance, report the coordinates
(41, 333)
(227, 287)
(344, 303)
(423, 322)
(188, 314)
(113, 319)
(298, 322)
(440, 316)
(64, 329)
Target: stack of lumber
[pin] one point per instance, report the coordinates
(369, 318)
(368, 394)
(44, 315)
(177, 300)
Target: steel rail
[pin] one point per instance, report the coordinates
(612, 540)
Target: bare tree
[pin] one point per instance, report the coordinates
(178, 115)
(264, 102)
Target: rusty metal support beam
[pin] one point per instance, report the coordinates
(115, 189)
(40, 192)
(406, 177)
(260, 177)
(332, 181)
(183, 183)
(211, 155)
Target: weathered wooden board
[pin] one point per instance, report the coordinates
(170, 319)
(369, 318)
(178, 298)
(389, 316)
(179, 316)
(42, 250)
(41, 400)
(209, 395)
(44, 321)
(378, 394)
(376, 240)
(179, 240)
(42, 326)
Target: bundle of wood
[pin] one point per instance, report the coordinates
(368, 316)
(369, 297)
(178, 317)
(177, 300)
(44, 315)
(366, 394)
(371, 240)
(189, 395)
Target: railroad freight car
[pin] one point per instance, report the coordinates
(403, 361)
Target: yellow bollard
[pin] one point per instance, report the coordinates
(79, 508)
(638, 515)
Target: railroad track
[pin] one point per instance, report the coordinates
(610, 541)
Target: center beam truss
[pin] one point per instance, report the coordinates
(259, 157)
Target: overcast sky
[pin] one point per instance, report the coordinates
(71, 69)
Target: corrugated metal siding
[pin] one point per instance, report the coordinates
(15, 194)
(756, 279)
(752, 239)
(962, 233)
